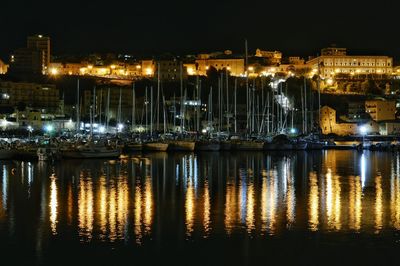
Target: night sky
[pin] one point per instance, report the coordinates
(294, 27)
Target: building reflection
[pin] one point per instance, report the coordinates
(196, 196)
(333, 200)
(53, 204)
(313, 202)
(85, 207)
(355, 206)
(378, 204)
(395, 192)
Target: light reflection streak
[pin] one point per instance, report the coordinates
(138, 213)
(395, 195)
(230, 206)
(250, 207)
(378, 204)
(333, 201)
(290, 194)
(85, 208)
(5, 188)
(313, 202)
(148, 204)
(355, 204)
(207, 207)
(53, 205)
(189, 207)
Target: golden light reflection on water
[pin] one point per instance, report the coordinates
(207, 207)
(53, 205)
(230, 206)
(85, 207)
(250, 197)
(189, 207)
(333, 201)
(290, 194)
(138, 213)
(250, 224)
(378, 204)
(148, 205)
(395, 200)
(313, 202)
(355, 206)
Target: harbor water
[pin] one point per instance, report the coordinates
(339, 207)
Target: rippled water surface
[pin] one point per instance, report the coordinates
(304, 208)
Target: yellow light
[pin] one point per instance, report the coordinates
(149, 71)
(337, 70)
(138, 67)
(251, 68)
(112, 66)
(329, 81)
(190, 71)
(89, 66)
(229, 68)
(358, 71)
(54, 71)
(207, 67)
(379, 71)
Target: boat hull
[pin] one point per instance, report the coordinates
(181, 146)
(207, 146)
(155, 146)
(91, 155)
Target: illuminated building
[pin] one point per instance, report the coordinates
(381, 109)
(335, 61)
(40, 43)
(28, 61)
(148, 67)
(40, 96)
(170, 69)
(3, 67)
(234, 65)
(271, 57)
(330, 124)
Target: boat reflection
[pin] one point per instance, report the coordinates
(147, 197)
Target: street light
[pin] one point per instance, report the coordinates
(363, 131)
(30, 129)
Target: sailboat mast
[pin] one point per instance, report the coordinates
(235, 95)
(305, 107)
(133, 123)
(108, 109)
(94, 104)
(158, 97)
(77, 108)
(181, 107)
(151, 110)
(227, 103)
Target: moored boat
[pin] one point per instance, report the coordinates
(207, 146)
(181, 145)
(155, 146)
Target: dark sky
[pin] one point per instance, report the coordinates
(294, 27)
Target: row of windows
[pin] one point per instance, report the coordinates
(355, 64)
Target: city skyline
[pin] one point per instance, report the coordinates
(153, 28)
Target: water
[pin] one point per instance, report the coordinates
(302, 208)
